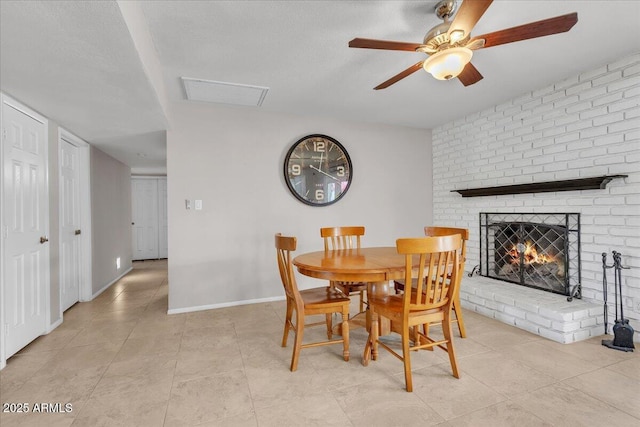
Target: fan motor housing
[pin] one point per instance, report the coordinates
(437, 36)
(445, 8)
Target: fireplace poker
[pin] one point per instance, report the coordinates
(622, 330)
(615, 288)
(617, 262)
(605, 291)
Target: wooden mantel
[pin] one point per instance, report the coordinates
(593, 183)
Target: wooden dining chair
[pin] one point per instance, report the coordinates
(457, 308)
(308, 302)
(345, 238)
(434, 263)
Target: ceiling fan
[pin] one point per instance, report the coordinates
(450, 45)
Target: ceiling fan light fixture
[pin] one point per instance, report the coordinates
(455, 36)
(449, 63)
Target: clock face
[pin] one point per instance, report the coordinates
(317, 170)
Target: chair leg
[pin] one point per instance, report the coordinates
(457, 308)
(329, 321)
(361, 302)
(366, 356)
(417, 335)
(345, 332)
(287, 323)
(373, 333)
(425, 329)
(297, 346)
(448, 335)
(406, 358)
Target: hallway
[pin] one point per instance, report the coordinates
(121, 360)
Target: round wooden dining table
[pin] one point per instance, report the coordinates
(353, 265)
(376, 266)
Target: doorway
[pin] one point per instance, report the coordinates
(75, 220)
(25, 280)
(149, 217)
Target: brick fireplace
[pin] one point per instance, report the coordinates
(585, 126)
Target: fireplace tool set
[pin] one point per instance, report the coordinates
(622, 330)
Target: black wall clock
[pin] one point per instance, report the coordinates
(317, 170)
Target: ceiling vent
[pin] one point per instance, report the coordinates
(223, 93)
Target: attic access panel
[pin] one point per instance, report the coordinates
(224, 93)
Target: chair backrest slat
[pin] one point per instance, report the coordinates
(341, 237)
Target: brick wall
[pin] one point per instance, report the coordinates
(587, 125)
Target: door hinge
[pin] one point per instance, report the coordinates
(4, 133)
(5, 231)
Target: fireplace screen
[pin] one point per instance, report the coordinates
(536, 250)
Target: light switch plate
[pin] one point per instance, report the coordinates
(187, 204)
(198, 205)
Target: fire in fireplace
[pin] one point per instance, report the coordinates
(536, 250)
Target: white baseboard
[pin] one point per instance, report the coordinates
(108, 285)
(52, 326)
(223, 305)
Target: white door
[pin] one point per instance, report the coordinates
(69, 224)
(163, 221)
(25, 228)
(144, 193)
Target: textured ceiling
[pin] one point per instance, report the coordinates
(88, 66)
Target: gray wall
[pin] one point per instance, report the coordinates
(232, 159)
(110, 218)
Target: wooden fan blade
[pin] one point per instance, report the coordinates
(383, 44)
(468, 15)
(546, 27)
(469, 75)
(415, 67)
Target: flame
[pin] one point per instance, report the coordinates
(530, 255)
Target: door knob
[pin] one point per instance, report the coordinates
(77, 232)
(44, 239)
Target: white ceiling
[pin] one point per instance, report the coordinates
(108, 70)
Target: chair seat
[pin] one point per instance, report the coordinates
(391, 306)
(353, 286)
(399, 287)
(322, 297)
(399, 283)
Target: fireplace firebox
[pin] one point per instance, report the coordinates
(538, 250)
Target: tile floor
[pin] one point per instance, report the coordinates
(121, 360)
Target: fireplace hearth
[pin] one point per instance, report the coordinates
(537, 250)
